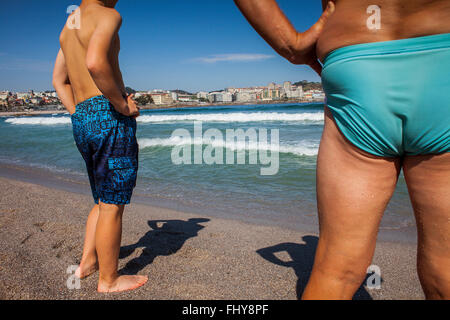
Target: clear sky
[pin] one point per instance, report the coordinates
(166, 44)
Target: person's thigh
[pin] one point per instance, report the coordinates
(353, 190)
(428, 180)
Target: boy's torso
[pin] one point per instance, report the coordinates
(399, 19)
(75, 42)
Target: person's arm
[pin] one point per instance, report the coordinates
(99, 65)
(118, 74)
(270, 22)
(269, 254)
(154, 224)
(61, 83)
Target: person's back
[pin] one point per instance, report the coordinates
(356, 21)
(75, 43)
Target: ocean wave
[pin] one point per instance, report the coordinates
(304, 148)
(234, 117)
(205, 117)
(39, 120)
(251, 107)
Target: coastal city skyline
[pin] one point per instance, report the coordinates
(211, 47)
(301, 91)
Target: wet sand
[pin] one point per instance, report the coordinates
(185, 255)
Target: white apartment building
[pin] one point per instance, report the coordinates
(245, 96)
(162, 98)
(227, 97)
(318, 96)
(52, 94)
(186, 97)
(139, 94)
(287, 86)
(202, 95)
(4, 95)
(23, 95)
(220, 97)
(294, 92)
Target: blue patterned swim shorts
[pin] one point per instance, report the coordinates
(107, 141)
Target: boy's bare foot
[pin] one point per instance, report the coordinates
(86, 269)
(122, 283)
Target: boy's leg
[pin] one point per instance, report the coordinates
(107, 238)
(89, 263)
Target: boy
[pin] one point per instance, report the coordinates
(89, 83)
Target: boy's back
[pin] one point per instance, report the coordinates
(75, 44)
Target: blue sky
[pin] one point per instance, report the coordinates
(166, 44)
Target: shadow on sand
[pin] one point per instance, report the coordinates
(165, 238)
(302, 260)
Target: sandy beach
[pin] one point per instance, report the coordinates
(186, 256)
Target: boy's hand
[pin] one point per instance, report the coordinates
(133, 109)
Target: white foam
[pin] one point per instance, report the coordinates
(304, 148)
(206, 117)
(39, 121)
(235, 117)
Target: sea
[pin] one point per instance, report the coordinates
(185, 162)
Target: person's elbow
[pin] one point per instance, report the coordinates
(96, 64)
(290, 50)
(57, 83)
(294, 59)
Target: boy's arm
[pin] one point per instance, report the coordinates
(119, 73)
(61, 83)
(99, 65)
(271, 23)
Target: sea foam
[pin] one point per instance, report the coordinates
(304, 148)
(39, 121)
(205, 117)
(235, 117)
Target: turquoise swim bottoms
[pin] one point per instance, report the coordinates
(392, 98)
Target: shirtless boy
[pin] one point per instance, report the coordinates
(89, 83)
(388, 108)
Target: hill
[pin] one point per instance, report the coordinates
(309, 85)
